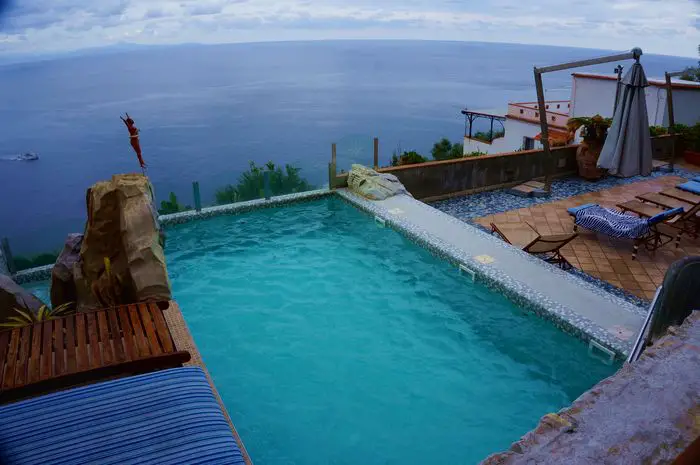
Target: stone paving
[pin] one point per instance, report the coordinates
(598, 255)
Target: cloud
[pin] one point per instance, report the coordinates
(662, 26)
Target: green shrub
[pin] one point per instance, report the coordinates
(251, 183)
(656, 131)
(446, 150)
(172, 206)
(476, 153)
(407, 158)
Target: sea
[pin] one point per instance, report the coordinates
(206, 112)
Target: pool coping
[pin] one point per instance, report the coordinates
(522, 295)
(560, 315)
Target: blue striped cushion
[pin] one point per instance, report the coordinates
(611, 222)
(696, 179)
(690, 186)
(166, 417)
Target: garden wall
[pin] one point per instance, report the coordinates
(441, 179)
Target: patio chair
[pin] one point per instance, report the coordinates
(652, 233)
(85, 347)
(166, 417)
(547, 247)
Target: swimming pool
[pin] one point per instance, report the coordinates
(331, 340)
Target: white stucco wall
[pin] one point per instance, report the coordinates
(512, 141)
(597, 96)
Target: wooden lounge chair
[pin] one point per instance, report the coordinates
(526, 237)
(687, 222)
(652, 232)
(680, 194)
(85, 347)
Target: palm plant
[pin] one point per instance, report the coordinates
(594, 127)
(27, 317)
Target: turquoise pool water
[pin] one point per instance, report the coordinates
(333, 341)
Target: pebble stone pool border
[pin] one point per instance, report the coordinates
(561, 316)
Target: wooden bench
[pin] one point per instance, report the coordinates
(85, 347)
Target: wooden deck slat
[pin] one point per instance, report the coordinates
(682, 195)
(25, 343)
(139, 335)
(153, 343)
(8, 380)
(105, 339)
(130, 349)
(164, 336)
(117, 342)
(34, 370)
(46, 368)
(85, 347)
(58, 347)
(4, 342)
(71, 361)
(94, 341)
(81, 347)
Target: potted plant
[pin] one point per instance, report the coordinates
(691, 142)
(594, 132)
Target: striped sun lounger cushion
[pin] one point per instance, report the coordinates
(611, 222)
(166, 417)
(691, 186)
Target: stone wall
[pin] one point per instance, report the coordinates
(440, 179)
(648, 412)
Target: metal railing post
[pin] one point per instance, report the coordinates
(376, 153)
(197, 196)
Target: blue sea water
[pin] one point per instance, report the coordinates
(333, 341)
(205, 112)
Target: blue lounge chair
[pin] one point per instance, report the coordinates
(649, 232)
(165, 417)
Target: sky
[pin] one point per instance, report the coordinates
(670, 27)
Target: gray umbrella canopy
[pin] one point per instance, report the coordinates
(627, 150)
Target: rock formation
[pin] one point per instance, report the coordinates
(62, 280)
(373, 185)
(121, 255)
(12, 296)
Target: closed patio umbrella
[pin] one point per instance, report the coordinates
(627, 149)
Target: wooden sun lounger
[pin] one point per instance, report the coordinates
(688, 222)
(680, 194)
(85, 347)
(664, 201)
(526, 237)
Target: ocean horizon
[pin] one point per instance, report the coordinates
(206, 111)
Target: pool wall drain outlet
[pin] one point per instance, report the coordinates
(463, 270)
(600, 352)
(381, 222)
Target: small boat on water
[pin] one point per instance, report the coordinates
(27, 156)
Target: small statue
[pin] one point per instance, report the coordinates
(134, 138)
